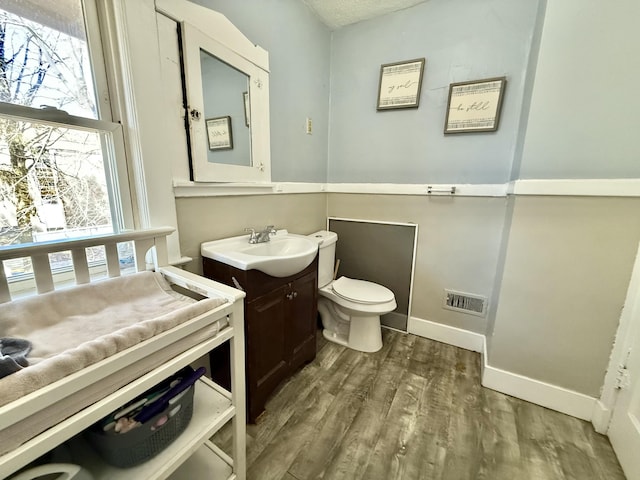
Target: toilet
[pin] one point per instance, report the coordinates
(350, 309)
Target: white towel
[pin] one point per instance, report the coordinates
(74, 328)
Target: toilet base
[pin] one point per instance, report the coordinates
(365, 334)
(335, 337)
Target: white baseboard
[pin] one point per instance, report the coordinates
(601, 417)
(525, 388)
(544, 394)
(457, 337)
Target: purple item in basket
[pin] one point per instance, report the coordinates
(161, 404)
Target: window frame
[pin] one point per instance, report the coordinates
(116, 166)
(95, 41)
(120, 194)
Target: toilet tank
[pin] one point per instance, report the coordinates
(326, 255)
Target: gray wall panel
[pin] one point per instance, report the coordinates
(380, 253)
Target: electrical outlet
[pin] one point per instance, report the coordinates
(309, 126)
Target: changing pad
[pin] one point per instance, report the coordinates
(72, 329)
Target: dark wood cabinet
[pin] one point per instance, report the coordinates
(280, 327)
(303, 305)
(267, 348)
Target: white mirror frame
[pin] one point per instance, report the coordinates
(229, 45)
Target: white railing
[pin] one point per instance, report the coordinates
(145, 242)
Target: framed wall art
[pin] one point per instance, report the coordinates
(219, 133)
(474, 106)
(400, 84)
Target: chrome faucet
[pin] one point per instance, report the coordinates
(260, 237)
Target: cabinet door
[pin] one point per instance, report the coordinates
(303, 304)
(267, 351)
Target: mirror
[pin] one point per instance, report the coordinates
(227, 89)
(225, 93)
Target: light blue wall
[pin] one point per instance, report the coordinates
(529, 83)
(299, 54)
(461, 40)
(332, 77)
(583, 121)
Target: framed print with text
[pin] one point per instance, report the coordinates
(219, 133)
(474, 106)
(400, 84)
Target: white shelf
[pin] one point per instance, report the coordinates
(66, 429)
(211, 410)
(206, 462)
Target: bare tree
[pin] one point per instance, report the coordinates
(40, 66)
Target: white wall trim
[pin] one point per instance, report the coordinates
(622, 344)
(593, 187)
(183, 188)
(457, 337)
(541, 393)
(462, 190)
(199, 189)
(601, 417)
(365, 220)
(615, 187)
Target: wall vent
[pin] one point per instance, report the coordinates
(465, 302)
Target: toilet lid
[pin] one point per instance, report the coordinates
(361, 291)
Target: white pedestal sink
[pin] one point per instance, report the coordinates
(284, 255)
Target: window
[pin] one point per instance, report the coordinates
(62, 171)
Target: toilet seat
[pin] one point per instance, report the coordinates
(361, 291)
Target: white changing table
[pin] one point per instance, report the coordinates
(192, 455)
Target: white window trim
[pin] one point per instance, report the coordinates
(132, 58)
(120, 92)
(96, 55)
(123, 42)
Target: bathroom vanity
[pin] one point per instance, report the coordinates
(280, 327)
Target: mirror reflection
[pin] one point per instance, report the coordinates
(225, 93)
(221, 78)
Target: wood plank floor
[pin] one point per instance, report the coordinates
(414, 410)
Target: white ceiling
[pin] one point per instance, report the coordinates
(338, 13)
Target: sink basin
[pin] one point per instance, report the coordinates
(285, 254)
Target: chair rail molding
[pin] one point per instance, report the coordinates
(616, 187)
